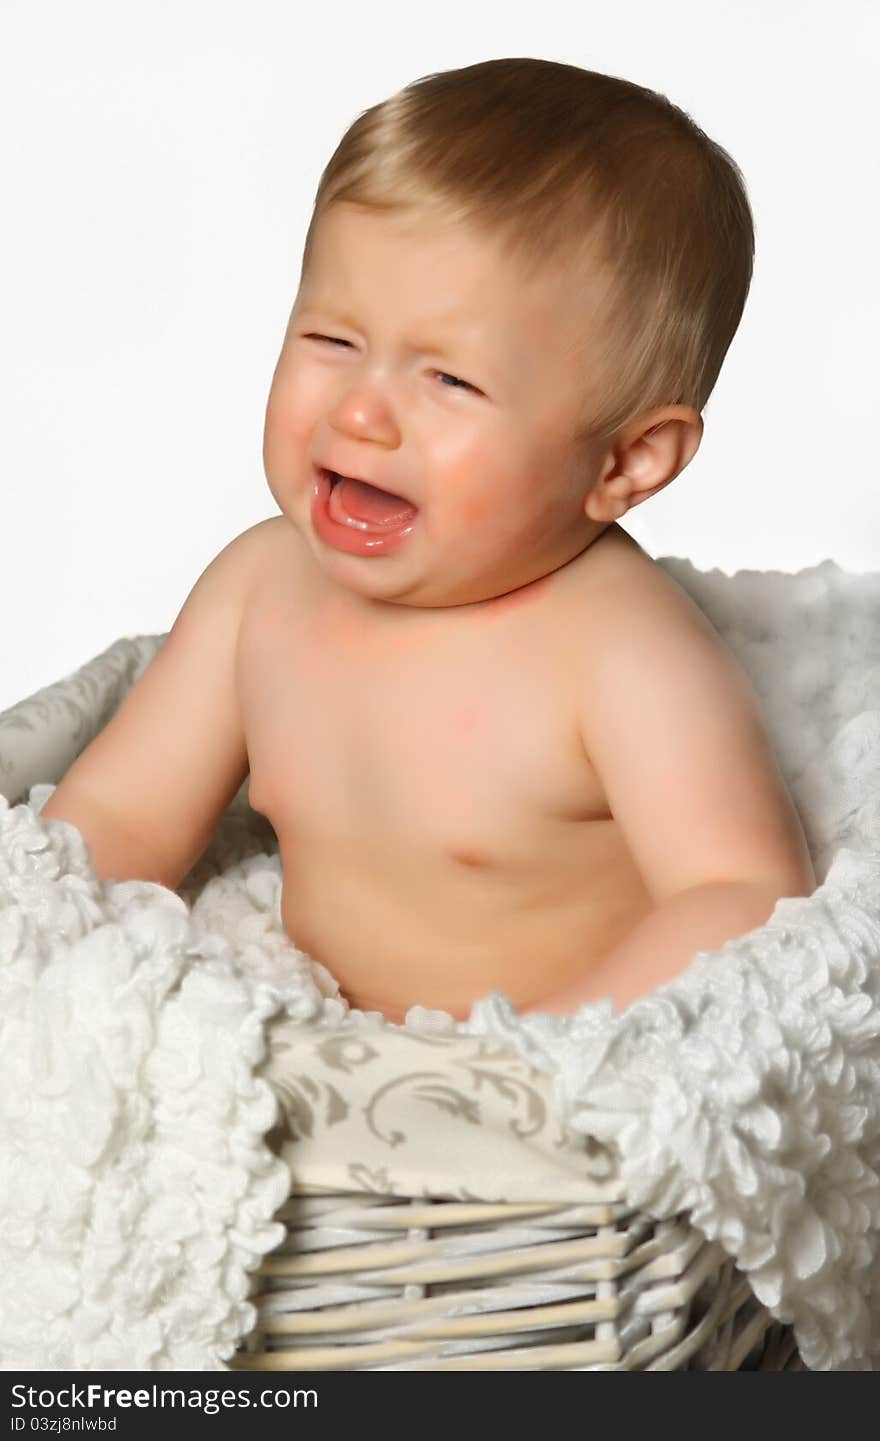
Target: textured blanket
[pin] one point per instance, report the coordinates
(138, 1191)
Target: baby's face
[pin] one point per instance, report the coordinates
(445, 379)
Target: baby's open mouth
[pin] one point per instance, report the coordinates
(364, 506)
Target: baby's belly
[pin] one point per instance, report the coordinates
(442, 935)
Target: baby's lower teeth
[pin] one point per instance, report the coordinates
(341, 516)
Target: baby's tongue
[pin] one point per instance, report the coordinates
(367, 503)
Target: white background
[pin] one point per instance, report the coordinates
(157, 171)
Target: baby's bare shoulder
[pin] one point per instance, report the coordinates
(627, 587)
(265, 538)
(267, 550)
(276, 541)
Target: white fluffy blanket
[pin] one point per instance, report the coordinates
(137, 1188)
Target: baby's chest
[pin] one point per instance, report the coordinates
(455, 747)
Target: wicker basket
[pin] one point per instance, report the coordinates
(366, 1282)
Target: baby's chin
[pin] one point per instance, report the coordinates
(467, 596)
(405, 584)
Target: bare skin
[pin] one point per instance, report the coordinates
(435, 732)
(412, 721)
(442, 832)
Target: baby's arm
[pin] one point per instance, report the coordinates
(149, 790)
(671, 722)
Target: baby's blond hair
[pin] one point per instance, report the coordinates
(557, 164)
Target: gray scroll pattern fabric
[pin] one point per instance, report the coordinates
(393, 1112)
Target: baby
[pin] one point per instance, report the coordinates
(501, 749)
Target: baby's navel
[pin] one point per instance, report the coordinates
(468, 856)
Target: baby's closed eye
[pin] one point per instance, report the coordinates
(444, 375)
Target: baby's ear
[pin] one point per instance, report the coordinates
(663, 447)
(644, 458)
(677, 438)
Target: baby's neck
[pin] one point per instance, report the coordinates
(519, 597)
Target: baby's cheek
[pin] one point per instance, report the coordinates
(463, 503)
(472, 509)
